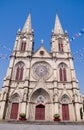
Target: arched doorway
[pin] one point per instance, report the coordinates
(65, 112)
(40, 112)
(65, 107)
(40, 105)
(14, 106)
(14, 111)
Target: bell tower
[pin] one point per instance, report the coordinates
(17, 76)
(59, 40)
(25, 40)
(63, 65)
(60, 47)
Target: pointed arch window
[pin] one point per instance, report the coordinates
(19, 71)
(62, 73)
(60, 45)
(65, 99)
(23, 46)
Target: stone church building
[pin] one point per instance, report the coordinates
(41, 84)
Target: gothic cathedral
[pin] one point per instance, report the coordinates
(41, 84)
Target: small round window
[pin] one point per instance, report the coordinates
(42, 53)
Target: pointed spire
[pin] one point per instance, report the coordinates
(27, 27)
(58, 28)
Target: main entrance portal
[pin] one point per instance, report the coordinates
(40, 112)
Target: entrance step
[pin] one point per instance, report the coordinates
(42, 122)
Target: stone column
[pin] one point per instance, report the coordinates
(2, 109)
(77, 109)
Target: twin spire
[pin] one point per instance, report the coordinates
(57, 27)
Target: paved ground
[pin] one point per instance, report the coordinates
(8, 126)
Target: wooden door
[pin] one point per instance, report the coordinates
(40, 112)
(14, 111)
(65, 112)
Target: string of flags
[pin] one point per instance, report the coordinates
(70, 40)
(77, 35)
(76, 55)
(3, 56)
(79, 54)
(5, 47)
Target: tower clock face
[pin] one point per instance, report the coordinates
(41, 70)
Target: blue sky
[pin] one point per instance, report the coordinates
(13, 14)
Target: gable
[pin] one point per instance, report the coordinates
(42, 52)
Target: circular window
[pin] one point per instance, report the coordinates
(41, 70)
(42, 53)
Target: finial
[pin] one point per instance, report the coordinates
(42, 42)
(19, 30)
(52, 30)
(66, 31)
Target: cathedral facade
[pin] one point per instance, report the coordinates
(41, 84)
